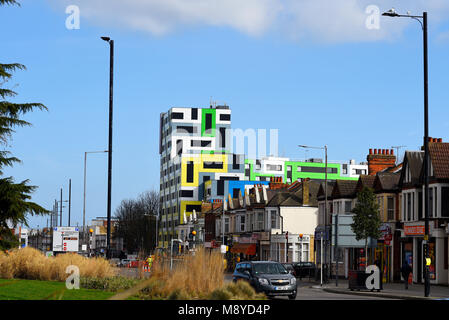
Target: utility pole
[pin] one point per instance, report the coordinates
(111, 88)
(60, 211)
(70, 197)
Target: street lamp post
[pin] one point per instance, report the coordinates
(423, 22)
(325, 201)
(84, 197)
(111, 86)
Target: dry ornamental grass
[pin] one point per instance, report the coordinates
(29, 263)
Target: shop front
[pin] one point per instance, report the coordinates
(383, 253)
(412, 246)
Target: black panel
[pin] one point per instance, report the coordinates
(191, 207)
(195, 114)
(222, 138)
(177, 115)
(190, 167)
(225, 117)
(213, 165)
(220, 188)
(186, 193)
(235, 193)
(235, 162)
(208, 124)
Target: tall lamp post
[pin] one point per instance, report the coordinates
(423, 21)
(111, 86)
(84, 197)
(325, 203)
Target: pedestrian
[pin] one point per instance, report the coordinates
(406, 269)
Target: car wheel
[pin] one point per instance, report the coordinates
(293, 296)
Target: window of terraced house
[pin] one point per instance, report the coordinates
(390, 208)
(259, 224)
(445, 202)
(348, 205)
(274, 219)
(242, 223)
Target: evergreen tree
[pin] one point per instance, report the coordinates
(366, 222)
(14, 197)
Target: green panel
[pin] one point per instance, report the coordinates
(203, 122)
(312, 175)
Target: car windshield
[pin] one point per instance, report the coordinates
(269, 268)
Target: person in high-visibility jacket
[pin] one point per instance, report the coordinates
(150, 262)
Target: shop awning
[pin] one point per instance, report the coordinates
(245, 248)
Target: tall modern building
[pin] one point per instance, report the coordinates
(198, 164)
(194, 149)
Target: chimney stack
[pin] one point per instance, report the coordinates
(305, 192)
(380, 160)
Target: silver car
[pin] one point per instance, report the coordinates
(267, 276)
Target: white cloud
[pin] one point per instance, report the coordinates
(317, 20)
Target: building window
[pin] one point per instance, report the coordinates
(445, 202)
(225, 117)
(390, 208)
(348, 205)
(274, 219)
(259, 224)
(242, 223)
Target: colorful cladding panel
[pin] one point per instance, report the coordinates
(208, 122)
(188, 207)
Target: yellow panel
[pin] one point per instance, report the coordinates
(214, 158)
(196, 163)
(184, 204)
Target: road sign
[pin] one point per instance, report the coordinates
(65, 239)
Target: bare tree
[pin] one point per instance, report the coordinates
(137, 222)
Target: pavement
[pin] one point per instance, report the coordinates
(390, 290)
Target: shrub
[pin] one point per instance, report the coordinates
(108, 284)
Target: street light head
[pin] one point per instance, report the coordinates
(107, 39)
(391, 13)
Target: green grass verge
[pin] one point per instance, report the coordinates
(18, 289)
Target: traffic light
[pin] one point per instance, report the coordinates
(192, 234)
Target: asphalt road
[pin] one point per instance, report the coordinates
(307, 292)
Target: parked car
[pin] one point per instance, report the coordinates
(115, 262)
(289, 267)
(267, 276)
(304, 269)
(124, 262)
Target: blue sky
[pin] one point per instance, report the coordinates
(308, 68)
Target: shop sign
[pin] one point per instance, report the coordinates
(264, 236)
(385, 232)
(414, 230)
(246, 240)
